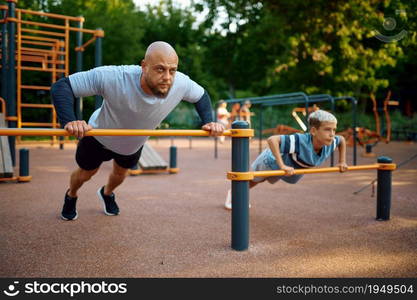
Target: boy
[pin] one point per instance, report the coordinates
(300, 150)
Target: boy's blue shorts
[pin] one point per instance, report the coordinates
(260, 164)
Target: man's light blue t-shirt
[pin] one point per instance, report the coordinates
(126, 105)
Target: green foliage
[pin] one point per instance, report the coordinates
(245, 48)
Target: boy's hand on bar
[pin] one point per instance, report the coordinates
(343, 167)
(289, 171)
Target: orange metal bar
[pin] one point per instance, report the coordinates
(38, 50)
(67, 26)
(37, 105)
(3, 105)
(19, 70)
(314, 170)
(82, 47)
(36, 87)
(37, 124)
(122, 132)
(43, 32)
(51, 15)
(41, 69)
(245, 176)
(38, 38)
(38, 43)
(91, 31)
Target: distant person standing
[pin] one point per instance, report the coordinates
(245, 113)
(234, 114)
(223, 117)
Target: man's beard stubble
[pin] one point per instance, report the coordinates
(156, 91)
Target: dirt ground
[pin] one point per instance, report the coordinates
(176, 226)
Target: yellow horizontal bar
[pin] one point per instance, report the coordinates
(119, 132)
(42, 69)
(240, 176)
(55, 16)
(37, 105)
(38, 124)
(52, 33)
(314, 170)
(38, 50)
(38, 38)
(35, 87)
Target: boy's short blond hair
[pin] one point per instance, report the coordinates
(315, 119)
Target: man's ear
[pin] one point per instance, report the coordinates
(143, 63)
(313, 131)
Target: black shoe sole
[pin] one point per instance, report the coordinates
(66, 219)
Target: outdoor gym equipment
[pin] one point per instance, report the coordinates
(240, 174)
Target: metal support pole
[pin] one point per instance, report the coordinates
(173, 160)
(240, 190)
(98, 63)
(61, 58)
(4, 64)
(260, 127)
(172, 157)
(24, 162)
(354, 109)
(216, 139)
(332, 107)
(384, 191)
(11, 82)
(79, 68)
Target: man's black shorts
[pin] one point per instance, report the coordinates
(90, 154)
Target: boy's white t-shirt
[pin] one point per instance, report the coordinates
(125, 104)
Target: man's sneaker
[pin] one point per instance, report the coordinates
(109, 203)
(69, 211)
(228, 203)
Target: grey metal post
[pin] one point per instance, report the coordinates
(11, 82)
(4, 64)
(173, 157)
(355, 122)
(384, 191)
(261, 108)
(24, 162)
(240, 190)
(79, 68)
(98, 63)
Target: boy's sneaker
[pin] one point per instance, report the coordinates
(109, 203)
(228, 203)
(69, 211)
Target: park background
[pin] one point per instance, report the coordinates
(176, 225)
(250, 48)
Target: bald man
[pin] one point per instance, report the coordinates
(134, 97)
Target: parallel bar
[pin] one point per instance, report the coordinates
(50, 15)
(315, 170)
(41, 69)
(120, 132)
(52, 26)
(37, 105)
(52, 33)
(35, 87)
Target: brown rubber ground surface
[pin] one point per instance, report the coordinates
(176, 226)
